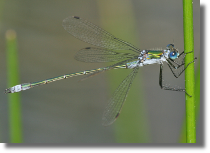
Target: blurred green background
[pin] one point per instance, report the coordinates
(69, 111)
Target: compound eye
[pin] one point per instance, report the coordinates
(173, 55)
(170, 46)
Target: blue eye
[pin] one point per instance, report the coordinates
(170, 46)
(173, 55)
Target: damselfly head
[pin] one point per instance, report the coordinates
(174, 53)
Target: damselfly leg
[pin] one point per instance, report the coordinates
(177, 67)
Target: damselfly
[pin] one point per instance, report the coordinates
(108, 49)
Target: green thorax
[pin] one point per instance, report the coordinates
(154, 54)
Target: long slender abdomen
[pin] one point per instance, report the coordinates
(26, 86)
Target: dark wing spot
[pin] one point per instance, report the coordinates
(117, 115)
(87, 47)
(76, 17)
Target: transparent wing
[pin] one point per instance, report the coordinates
(93, 54)
(90, 33)
(115, 104)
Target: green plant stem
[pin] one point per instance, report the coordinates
(13, 79)
(197, 102)
(189, 72)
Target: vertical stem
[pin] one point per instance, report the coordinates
(13, 79)
(189, 73)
